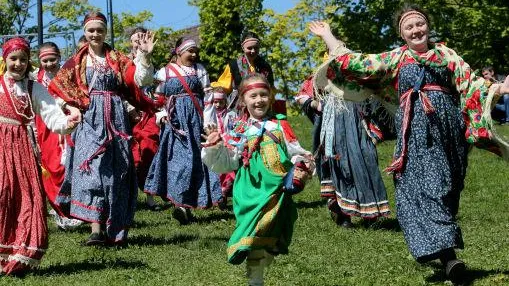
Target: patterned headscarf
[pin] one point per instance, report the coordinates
(15, 44)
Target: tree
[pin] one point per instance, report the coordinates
(222, 23)
(476, 29)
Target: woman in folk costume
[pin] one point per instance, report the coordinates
(51, 145)
(443, 106)
(145, 130)
(271, 166)
(177, 172)
(248, 63)
(23, 229)
(348, 167)
(100, 181)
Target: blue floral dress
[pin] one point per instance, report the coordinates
(440, 107)
(428, 190)
(100, 180)
(177, 172)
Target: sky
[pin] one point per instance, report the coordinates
(176, 14)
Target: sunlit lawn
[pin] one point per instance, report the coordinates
(163, 253)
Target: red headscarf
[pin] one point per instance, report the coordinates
(15, 44)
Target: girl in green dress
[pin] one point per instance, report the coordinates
(271, 167)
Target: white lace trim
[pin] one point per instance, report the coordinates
(23, 246)
(24, 259)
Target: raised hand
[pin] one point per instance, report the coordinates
(320, 28)
(210, 128)
(146, 42)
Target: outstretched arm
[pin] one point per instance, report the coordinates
(322, 29)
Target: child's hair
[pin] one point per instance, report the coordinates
(251, 78)
(488, 68)
(248, 34)
(94, 14)
(48, 45)
(137, 30)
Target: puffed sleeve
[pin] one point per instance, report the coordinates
(143, 75)
(50, 109)
(293, 146)
(221, 159)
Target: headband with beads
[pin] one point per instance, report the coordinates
(186, 45)
(406, 15)
(250, 40)
(99, 20)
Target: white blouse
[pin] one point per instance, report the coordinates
(221, 159)
(184, 71)
(49, 108)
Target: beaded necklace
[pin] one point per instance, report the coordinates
(22, 99)
(98, 66)
(426, 58)
(239, 132)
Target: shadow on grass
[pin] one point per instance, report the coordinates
(143, 223)
(83, 228)
(145, 239)
(310, 205)
(145, 207)
(224, 239)
(470, 275)
(89, 265)
(390, 224)
(215, 216)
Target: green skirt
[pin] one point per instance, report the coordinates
(265, 214)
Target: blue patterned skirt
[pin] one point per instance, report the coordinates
(177, 172)
(105, 189)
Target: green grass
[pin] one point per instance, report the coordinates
(163, 253)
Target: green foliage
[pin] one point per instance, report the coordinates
(124, 24)
(222, 22)
(166, 39)
(67, 14)
(291, 50)
(14, 16)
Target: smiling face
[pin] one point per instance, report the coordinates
(189, 56)
(251, 49)
(17, 63)
(415, 32)
(95, 33)
(258, 101)
(50, 63)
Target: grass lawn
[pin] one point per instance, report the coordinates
(163, 253)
